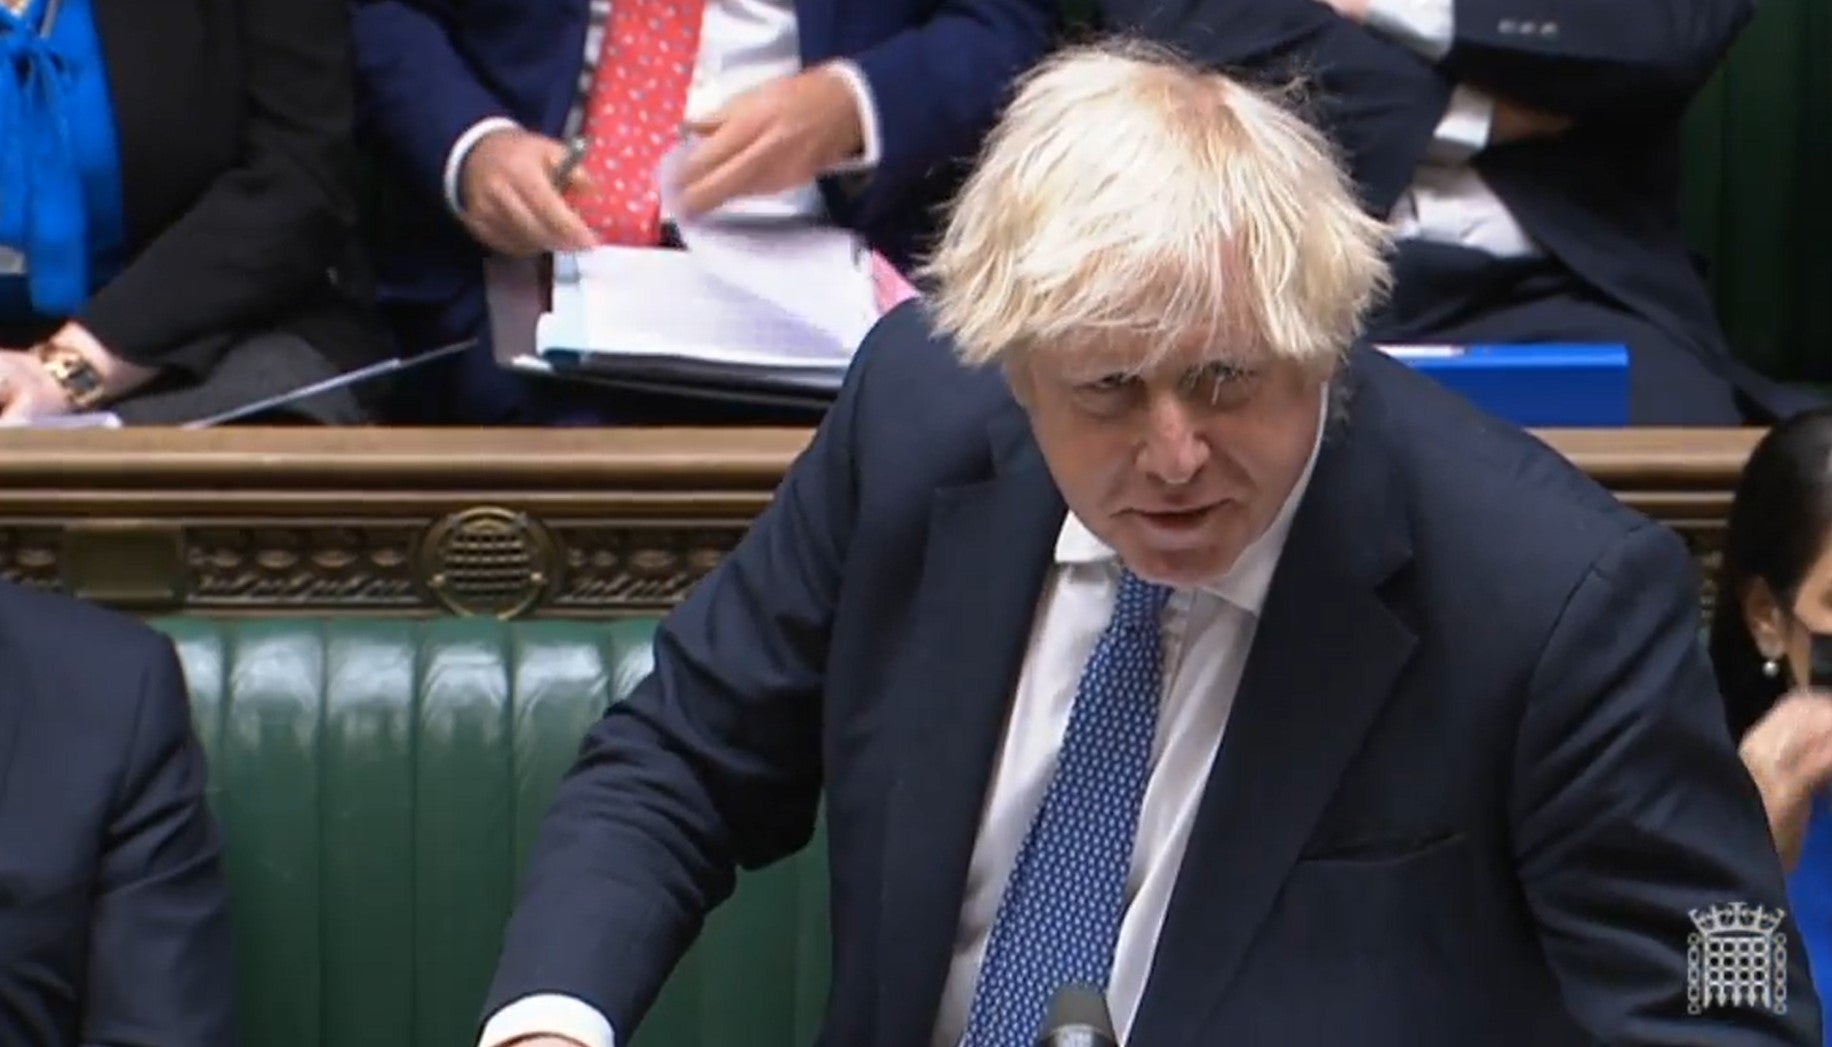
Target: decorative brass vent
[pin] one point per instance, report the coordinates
(489, 561)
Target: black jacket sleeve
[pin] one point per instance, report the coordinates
(1594, 59)
(1378, 101)
(263, 237)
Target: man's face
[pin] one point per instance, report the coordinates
(1177, 468)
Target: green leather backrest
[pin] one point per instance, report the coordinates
(379, 784)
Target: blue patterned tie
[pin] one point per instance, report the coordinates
(1061, 912)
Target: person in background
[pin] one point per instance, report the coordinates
(1774, 596)
(857, 112)
(1526, 154)
(177, 208)
(114, 911)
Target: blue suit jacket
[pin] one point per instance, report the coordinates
(1475, 776)
(430, 69)
(114, 913)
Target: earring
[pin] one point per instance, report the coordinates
(1771, 668)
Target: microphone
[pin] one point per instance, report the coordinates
(1078, 1018)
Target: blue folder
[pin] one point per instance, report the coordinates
(1547, 385)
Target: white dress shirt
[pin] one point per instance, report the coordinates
(743, 43)
(1448, 201)
(1207, 633)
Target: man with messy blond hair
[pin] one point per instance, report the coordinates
(1141, 633)
(1248, 222)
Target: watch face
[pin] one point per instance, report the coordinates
(78, 377)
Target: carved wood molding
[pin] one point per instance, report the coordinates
(577, 523)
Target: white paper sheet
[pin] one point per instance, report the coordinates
(90, 420)
(746, 293)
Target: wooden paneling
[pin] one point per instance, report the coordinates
(591, 523)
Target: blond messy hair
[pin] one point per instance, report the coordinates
(1128, 194)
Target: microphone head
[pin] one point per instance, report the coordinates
(1078, 1017)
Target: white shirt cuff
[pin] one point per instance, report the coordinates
(1464, 130)
(1426, 26)
(548, 1014)
(868, 119)
(454, 160)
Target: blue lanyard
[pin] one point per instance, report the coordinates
(41, 190)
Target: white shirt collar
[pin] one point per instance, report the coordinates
(1245, 584)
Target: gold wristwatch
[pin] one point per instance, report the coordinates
(73, 373)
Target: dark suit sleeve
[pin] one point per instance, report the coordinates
(418, 94)
(1380, 102)
(1631, 809)
(938, 86)
(267, 232)
(1595, 59)
(160, 967)
(712, 762)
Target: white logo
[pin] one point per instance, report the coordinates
(1736, 958)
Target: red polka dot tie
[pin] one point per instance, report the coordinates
(633, 114)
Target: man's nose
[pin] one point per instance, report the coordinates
(1175, 449)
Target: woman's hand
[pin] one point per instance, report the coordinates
(1789, 754)
(27, 390)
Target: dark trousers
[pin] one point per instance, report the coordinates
(1454, 295)
(266, 365)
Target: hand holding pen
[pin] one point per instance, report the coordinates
(512, 193)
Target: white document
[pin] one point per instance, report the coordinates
(89, 420)
(747, 293)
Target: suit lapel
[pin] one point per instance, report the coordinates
(1324, 659)
(988, 551)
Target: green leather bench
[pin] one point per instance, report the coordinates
(379, 784)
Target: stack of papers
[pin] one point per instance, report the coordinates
(754, 308)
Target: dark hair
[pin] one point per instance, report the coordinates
(1778, 526)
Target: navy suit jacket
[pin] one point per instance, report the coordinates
(430, 69)
(114, 914)
(1475, 776)
(1603, 198)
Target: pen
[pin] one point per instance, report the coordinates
(575, 155)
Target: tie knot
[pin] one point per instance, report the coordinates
(1139, 602)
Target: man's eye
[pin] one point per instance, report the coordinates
(1220, 384)
(1211, 374)
(1110, 383)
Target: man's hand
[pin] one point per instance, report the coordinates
(510, 203)
(775, 137)
(27, 390)
(1354, 10)
(1514, 122)
(1789, 755)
